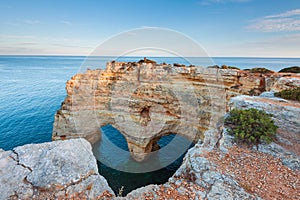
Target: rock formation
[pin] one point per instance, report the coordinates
(219, 169)
(215, 168)
(145, 101)
(53, 170)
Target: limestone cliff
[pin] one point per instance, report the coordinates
(145, 101)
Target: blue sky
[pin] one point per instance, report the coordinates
(265, 28)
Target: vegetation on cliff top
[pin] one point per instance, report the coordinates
(294, 69)
(145, 60)
(223, 67)
(229, 67)
(291, 94)
(260, 70)
(251, 126)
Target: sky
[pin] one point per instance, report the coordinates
(233, 28)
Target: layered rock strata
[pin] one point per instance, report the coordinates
(145, 101)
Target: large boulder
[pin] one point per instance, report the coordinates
(54, 170)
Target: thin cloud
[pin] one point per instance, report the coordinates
(27, 44)
(290, 41)
(286, 45)
(3, 36)
(71, 46)
(11, 23)
(286, 14)
(210, 2)
(68, 23)
(32, 22)
(277, 46)
(22, 22)
(287, 21)
(149, 27)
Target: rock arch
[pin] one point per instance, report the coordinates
(144, 101)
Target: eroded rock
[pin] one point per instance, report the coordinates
(53, 170)
(143, 101)
(146, 101)
(284, 83)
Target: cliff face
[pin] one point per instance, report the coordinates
(145, 101)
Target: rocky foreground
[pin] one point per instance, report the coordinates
(53, 170)
(214, 169)
(220, 169)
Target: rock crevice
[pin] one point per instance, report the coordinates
(55, 170)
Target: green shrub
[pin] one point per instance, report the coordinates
(251, 126)
(254, 92)
(233, 67)
(145, 60)
(214, 67)
(291, 94)
(294, 69)
(229, 67)
(260, 70)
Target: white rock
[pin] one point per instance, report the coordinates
(50, 170)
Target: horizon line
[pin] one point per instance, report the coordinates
(152, 56)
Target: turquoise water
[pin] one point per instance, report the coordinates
(105, 149)
(33, 87)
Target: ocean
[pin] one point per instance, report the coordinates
(33, 87)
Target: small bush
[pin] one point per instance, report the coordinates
(251, 126)
(233, 67)
(294, 69)
(214, 67)
(260, 70)
(178, 65)
(291, 94)
(229, 67)
(145, 60)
